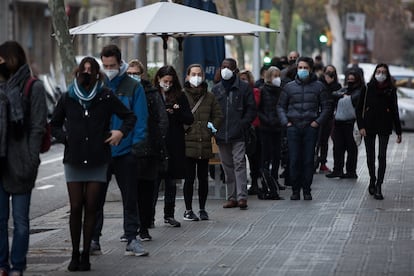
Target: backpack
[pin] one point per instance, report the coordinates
(269, 188)
(47, 136)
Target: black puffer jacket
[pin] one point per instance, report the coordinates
(239, 110)
(269, 120)
(302, 102)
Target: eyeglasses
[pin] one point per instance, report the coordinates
(134, 73)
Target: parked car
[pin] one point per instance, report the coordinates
(406, 110)
(53, 93)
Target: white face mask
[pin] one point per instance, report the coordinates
(196, 80)
(111, 73)
(276, 81)
(380, 77)
(226, 73)
(164, 86)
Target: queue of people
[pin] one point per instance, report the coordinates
(113, 121)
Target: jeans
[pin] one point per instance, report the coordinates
(124, 169)
(301, 143)
(20, 244)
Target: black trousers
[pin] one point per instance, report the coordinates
(193, 167)
(382, 155)
(343, 141)
(271, 151)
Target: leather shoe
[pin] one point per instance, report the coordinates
(230, 204)
(242, 204)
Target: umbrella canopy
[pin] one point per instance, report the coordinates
(207, 51)
(168, 19)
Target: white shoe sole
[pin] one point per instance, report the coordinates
(130, 253)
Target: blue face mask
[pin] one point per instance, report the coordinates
(136, 77)
(303, 74)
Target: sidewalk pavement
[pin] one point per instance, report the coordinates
(342, 231)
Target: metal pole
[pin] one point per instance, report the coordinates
(299, 38)
(140, 41)
(256, 46)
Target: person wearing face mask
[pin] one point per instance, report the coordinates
(81, 121)
(254, 156)
(22, 125)
(377, 115)
(124, 163)
(270, 127)
(346, 100)
(303, 107)
(238, 106)
(179, 114)
(288, 74)
(329, 78)
(198, 149)
(150, 156)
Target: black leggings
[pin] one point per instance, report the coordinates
(201, 166)
(83, 196)
(382, 156)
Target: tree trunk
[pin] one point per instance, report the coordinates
(282, 39)
(239, 42)
(335, 26)
(63, 38)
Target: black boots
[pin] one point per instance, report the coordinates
(378, 194)
(254, 188)
(74, 262)
(84, 264)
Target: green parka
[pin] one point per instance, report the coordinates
(198, 135)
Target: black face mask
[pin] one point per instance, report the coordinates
(4, 71)
(85, 79)
(351, 84)
(292, 61)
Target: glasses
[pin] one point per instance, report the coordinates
(134, 73)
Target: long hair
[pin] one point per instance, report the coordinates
(14, 55)
(95, 72)
(175, 90)
(388, 80)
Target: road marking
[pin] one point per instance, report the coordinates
(44, 187)
(51, 160)
(50, 176)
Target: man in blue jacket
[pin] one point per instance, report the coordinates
(303, 106)
(239, 109)
(124, 163)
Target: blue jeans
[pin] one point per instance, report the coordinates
(301, 144)
(20, 244)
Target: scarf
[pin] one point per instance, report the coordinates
(82, 96)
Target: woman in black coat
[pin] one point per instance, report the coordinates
(270, 127)
(179, 114)
(377, 115)
(81, 121)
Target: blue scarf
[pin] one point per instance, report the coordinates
(81, 95)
